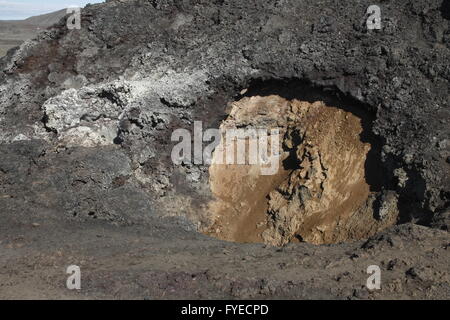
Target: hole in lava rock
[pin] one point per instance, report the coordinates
(328, 186)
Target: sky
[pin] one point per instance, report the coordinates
(22, 9)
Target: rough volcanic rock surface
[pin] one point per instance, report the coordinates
(87, 117)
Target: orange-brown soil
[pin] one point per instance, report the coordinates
(319, 194)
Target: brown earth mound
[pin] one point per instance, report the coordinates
(320, 193)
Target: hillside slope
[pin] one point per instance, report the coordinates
(14, 32)
(87, 177)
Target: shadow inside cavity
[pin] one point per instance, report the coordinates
(445, 9)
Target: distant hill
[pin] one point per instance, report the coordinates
(14, 32)
(46, 20)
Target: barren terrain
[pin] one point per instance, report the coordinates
(15, 32)
(87, 177)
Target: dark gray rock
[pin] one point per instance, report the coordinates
(86, 115)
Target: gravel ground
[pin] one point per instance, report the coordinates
(85, 171)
